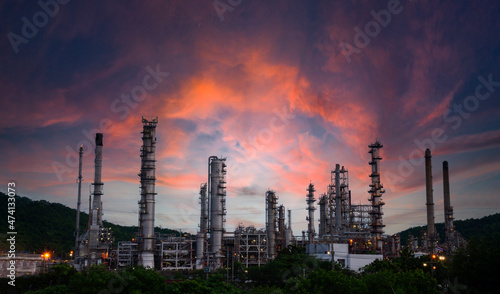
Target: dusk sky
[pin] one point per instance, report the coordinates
(284, 89)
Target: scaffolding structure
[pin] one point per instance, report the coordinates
(176, 253)
(250, 246)
(127, 254)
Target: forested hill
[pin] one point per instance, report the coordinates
(42, 225)
(469, 228)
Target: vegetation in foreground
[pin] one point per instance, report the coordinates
(472, 270)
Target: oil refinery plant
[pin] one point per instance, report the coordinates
(347, 233)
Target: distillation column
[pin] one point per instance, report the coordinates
(217, 202)
(323, 216)
(376, 191)
(448, 211)
(271, 201)
(148, 193)
(96, 214)
(338, 199)
(288, 230)
(310, 218)
(431, 229)
(201, 237)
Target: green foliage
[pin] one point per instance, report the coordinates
(290, 262)
(477, 266)
(94, 280)
(266, 289)
(58, 289)
(215, 284)
(188, 286)
(321, 281)
(405, 262)
(469, 228)
(100, 280)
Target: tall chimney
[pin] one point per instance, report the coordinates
(448, 209)
(96, 220)
(77, 231)
(431, 230)
(148, 193)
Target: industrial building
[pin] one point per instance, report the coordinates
(351, 234)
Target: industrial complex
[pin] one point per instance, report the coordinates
(350, 234)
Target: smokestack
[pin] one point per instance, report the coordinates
(201, 237)
(431, 230)
(96, 220)
(310, 218)
(271, 200)
(148, 193)
(77, 232)
(448, 209)
(217, 202)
